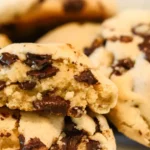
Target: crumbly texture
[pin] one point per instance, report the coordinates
(77, 34)
(54, 78)
(127, 50)
(80, 135)
(25, 130)
(42, 131)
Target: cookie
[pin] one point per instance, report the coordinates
(126, 56)
(42, 14)
(26, 130)
(80, 135)
(77, 34)
(35, 10)
(52, 77)
(42, 131)
(4, 41)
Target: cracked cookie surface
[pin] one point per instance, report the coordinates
(54, 78)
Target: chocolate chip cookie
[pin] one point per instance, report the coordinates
(77, 34)
(54, 78)
(23, 130)
(125, 59)
(37, 14)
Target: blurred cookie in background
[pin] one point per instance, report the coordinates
(36, 16)
(125, 59)
(77, 34)
(4, 40)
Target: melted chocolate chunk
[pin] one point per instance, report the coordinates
(8, 59)
(72, 6)
(76, 112)
(5, 135)
(2, 85)
(37, 61)
(5, 114)
(46, 72)
(145, 47)
(21, 141)
(96, 43)
(54, 104)
(71, 142)
(126, 63)
(122, 66)
(34, 144)
(27, 85)
(93, 145)
(87, 77)
(126, 39)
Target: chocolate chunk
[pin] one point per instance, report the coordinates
(126, 39)
(54, 104)
(27, 85)
(46, 72)
(5, 114)
(2, 85)
(87, 77)
(34, 144)
(122, 66)
(76, 111)
(95, 44)
(126, 63)
(72, 6)
(71, 142)
(37, 61)
(97, 125)
(145, 47)
(21, 141)
(5, 135)
(93, 145)
(70, 128)
(8, 59)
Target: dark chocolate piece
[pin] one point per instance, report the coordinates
(54, 104)
(125, 64)
(126, 39)
(73, 6)
(34, 144)
(21, 141)
(87, 77)
(27, 85)
(95, 44)
(46, 72)
(2, 85)
(93, 145)
(8, 59)
(37, 61)
(145, 47)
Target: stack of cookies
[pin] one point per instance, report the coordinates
(53, 98)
